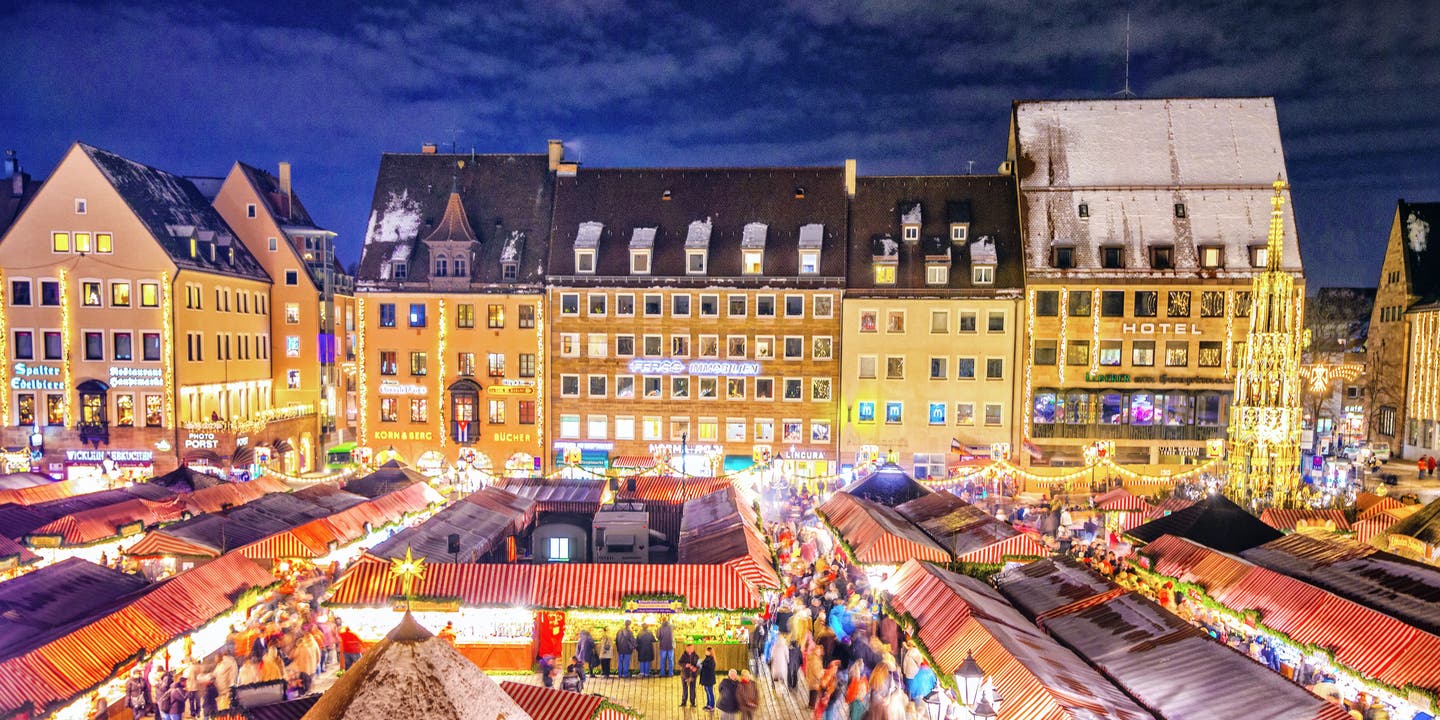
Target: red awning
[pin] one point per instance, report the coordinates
(873, 536)
(542, 703)
(1289, 520)
(1122, 500)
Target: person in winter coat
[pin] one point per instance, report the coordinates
(795, 665)
(666, 637)
(827, 685)
(689, 670)
(625, 648)
(271, 668)
(645, 649)
(707, 677)
(350, 647)
(172, 706)
(605, 650)
(857, 693)
(209, 696)
(747, 694)
(780, 659)
(305, 660)
(910, 663)
(922, 683)
(585, 650)
(224, 678)
(814, 672)
(729, 704)
(137, 693)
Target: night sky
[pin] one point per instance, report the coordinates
(905, 86)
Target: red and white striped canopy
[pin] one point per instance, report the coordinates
(874, 536)
(1024, 545)
(1287, 520)
(1122, 500)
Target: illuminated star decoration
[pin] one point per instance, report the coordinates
(408, 569)
(1320, 375)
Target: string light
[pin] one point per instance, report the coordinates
(67, 339)
(540, 376)
(167, 336)
(1095, 330)
(440, 376)
(1229, 335)
(4, 354)
(1028, 409)
(1064, 339)
(360, 373)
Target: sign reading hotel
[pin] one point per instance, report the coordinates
(1150, 328)
(136, 377)
(35, 377)
(706, 368)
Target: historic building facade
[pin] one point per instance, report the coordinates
(934, 295)
(1400, 372)
(450, 309)
(1144, 222)
(695, 313)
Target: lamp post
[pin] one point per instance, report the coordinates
(977, 694)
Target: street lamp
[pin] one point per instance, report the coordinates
(977, 693)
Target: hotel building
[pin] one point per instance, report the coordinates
(450, 309)
(933, 300)
(1144, 222)
(695, 313)
(135, 326)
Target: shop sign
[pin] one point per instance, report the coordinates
(676, 449)
(805, 455)
(130, 528)
(134, 457)
(44, 541)
(511, 437)
(1107, 377)
(654, 606)
(446, 606)
(512, 382)
(201, 441)
(242, 441)
(1355, 408)
(402, 434)
(390, 387)
(136, 377)
(707, 368)
(1193, 380)
(35, 377)
(594, 446)
(1181, 451)
(1150, 328)
(509, 390)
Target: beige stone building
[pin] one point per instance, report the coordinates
(1400, 400)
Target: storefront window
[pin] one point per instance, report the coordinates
(125, 410)
(1112, 408)
(1045, 408)
(1208, 410)
(1076, 409)
(25, 404)
(154, 411)
(1142, 409)
(92, 408)
(1179, 409)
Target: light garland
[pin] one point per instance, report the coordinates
(167, 336)
(440, 377)
(540, 376)
(68, 341)
(1095, 330)
(1028, 410)
(364, 385)
(1105, 464)
(1064, 339)
(4, 354)
(1229, 334)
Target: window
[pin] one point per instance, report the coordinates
(794, 348)
(694, 262)
(820, 389)
(822, 347)
(1177, 353)
(625, 346)
(965, 413)
(274, 244)
(1062, 257)
(569, 344)
(558, 549)
(965, 368)
(968, 320)
(124, 349)
(710, 346)
(50, 292)
(1179, 210)
(1080, 303)
(509, 271)
(679, 387)
(120, 294)
(1112, 257)
(419, 363)
(1162, 257)
(868, 321)
(752, 262)
(90, 293)
(387, 315)
(734, 430)
(585, 262)
(1147, 303)
(939, 368)
(80, 206)
(792, 389)
(625, 387)
(1242, 303)
(652, 345)
(1045, 352)
(597, 385)
(417, 314)
(527, 317)
(809, 262)
(894, 367)
(1142, 353)
(1212, 256)
(389, 409)
(388, 364)
(1077, 353)
(868, 364)
(911, 232)
(939, 321)
(865, 411)
(570, 304)
(651, 428)
(993, 413)
(639, 262)
(959, 232)
(1111, 352)
(765, 306)
(736, 306)
(710, 306)
(1047, 303)
(995, 321)
(654, 305)
(735, 388)
(1177, 304)
(596, 345)
(20, 292)
(465, 363)
(895, 321)
(250, 210)
(1112, 303)
(125, 410)
(596, 304)
(24, 345)
(54, 350)
(982, 275)
(419, 410)
(824, 306)
(894, 413)
(570, 426)
(680, 305)
(735, 346)
(292, 277)
(495, 364)
(794, 306)
(764, 347)
(527, 365)
(625, 427)
(679, 428)
(652, 387)
(937, 274)
(60, 242)
(764, 388)
(1212, 353)
(292, 314)
(1259, 255)
(570, 386)
(1212, 304)
(994, 368)
(400, 270)
(94, 346)
(884, 274)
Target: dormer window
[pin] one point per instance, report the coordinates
(587, 242)
(194, 248)
(982, 275)
(752, 248)
(752, 262)
(639, 262)
(697, 246)
(1162, 257)
(1084, 211)
(694, 262)
(1062, 257)
(1112, 257)
(910, 219)
(1259, 256)
(212, 251)
(400, 271)
(584, 262)
(509, 271)
(812, 237)
(912, 232)
(460, 269)
(642, 244)
(231, 258)
(886, 254)
(250, 210)
(983, 258)
(1212, 256)
(884, 273)
(442, 266)
(959, 233)
(937, 274)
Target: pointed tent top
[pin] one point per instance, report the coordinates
(1215, 522)
(409, 631)
(454, 226)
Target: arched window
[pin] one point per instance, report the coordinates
(460, 270)
(441, 266)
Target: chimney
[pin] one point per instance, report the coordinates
(285, 187)
(429, 149)
(557, 154)
(12, 164)
(850, 177)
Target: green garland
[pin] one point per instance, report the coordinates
(676, 602)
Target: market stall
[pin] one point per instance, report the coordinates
(543, 703)
(15, 559)
(1122, 509)
(970, 534)
(1214, 522)
(873, 534)
(30, 488)
(1322, 520)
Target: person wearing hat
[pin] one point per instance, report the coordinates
(137, 693)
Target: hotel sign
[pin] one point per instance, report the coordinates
(136, 377)
(35, 377)
(1150, 328)
(707, 368)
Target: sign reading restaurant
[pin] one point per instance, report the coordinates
(136, 377)
(707, 368)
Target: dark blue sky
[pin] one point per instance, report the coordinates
(902, 85)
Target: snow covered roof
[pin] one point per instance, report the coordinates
(642, 238)
(514, 244)
(588, 236)
(413, 675)
(910, 213)
(753, 236)
(884, 246)
(1418, 222)
(697, 237)
(812, 236)
(401, 253)
(398, 221)
(982, 251)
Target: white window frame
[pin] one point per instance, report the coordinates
(959, 232)
(785, 348)
(624, 427)
(642, 267)
(937, 274)
(584, 256)
(813, 257)
(593, 421)
(574, 340)
(874, 366)
(752, 262)
(590, 387)
(567, 376)
(815, 312)
(690, 269)
(982, 274)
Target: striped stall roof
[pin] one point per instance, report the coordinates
(669, 488)
(562, 495)
(158, 543)
(877, 534)
(34, 494)
(1379, 505)
(1022, 545)
(633, 462)
(9, 549)
(1168, 506)
(543, 703)
(957, 526)
(1143, 648)
(503, 502)
(720, 528)
(1122, 500)
(1039, 679)
(1378, 523)
(1288, 520)
(215, 498)
(92, 651)
(101, 523)
(1363, 639)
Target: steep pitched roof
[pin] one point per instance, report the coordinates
(286, 209)
(506, 201)
(1423, 525)
(1214, 522)
(175, 210)
(454, 226)
(889, 485)
(985, 202)
(1421, 250)
(722, 201)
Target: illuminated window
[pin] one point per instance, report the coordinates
(809, 262)
(1212, 256)
(884, 274)
(417, 314)
(570, 426)
(1177, 353)
(90, 294)
(104, 242)
(494, 317)
(497, 412)
(292, 313)
(495, 364)
(752, 262)
(652, 428)
(82, 242)
(60, 242)
(419, 363)
(419, 410)
(120, 294)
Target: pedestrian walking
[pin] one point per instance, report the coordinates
(350, 647)
(665, 635)
(707, 677)
(747, 695)
(729, 703)
(689, 671)
(137, 693)
(1430, 464)
(645, 649)
(585, 651)
(625, 648)
(606, 651)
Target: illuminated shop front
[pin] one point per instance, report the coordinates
(101, 469)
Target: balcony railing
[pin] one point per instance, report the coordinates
(96, 432)
(1107, 431)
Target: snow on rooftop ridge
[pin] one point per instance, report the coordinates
(887, 246)
(401, 253)
(812, 236)
(697, 237)
(910, 214)
(982, 251)
(642, 238)
(588, 236)
(400, 220)
(753, 236)
(510, 252)
(1417, 233)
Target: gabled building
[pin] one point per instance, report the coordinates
(1144, 222)
(313, 323)
(17, 187)
(1403, 347)
(450, 309)
(934, 295)
(136, 326)
(695, 315)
